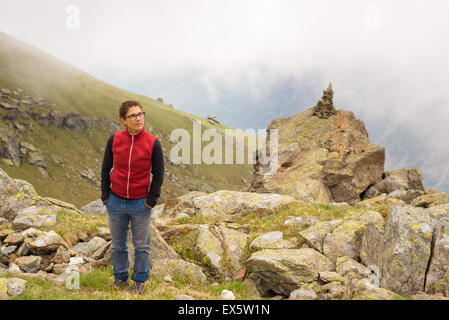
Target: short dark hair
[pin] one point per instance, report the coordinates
(125, 106)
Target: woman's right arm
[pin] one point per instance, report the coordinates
(106, 170)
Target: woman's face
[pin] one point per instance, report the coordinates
(134, 125)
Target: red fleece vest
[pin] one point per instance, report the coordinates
(130, 176)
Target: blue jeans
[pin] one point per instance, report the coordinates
(120, 213)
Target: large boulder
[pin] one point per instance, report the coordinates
(410, 254)
(285, 270)
(229, 204)
(406, 250)
(324, 155)
(18, 197)
(15, 194)
(224, 205)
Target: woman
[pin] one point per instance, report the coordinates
(131, 156)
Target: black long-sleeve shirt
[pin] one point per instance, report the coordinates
(157, 170)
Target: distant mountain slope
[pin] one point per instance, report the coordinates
(67, 116)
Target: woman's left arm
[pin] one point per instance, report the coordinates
(157, 169)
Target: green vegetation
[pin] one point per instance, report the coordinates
(266, 222)
(95, 286)
(72, 222)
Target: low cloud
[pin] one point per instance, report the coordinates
(382, 57)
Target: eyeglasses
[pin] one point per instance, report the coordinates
(134, 116)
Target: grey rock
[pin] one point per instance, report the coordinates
(29, 263)
(285, 270)
(9, 149)
(82, 247)
(14, 286)
(14, 239)
(96, 243)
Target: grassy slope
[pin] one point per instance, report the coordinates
(74, 91)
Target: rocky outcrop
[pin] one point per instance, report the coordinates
(324, 155)
(24, 105)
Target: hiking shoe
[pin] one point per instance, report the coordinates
(119, 284)
(138, 287)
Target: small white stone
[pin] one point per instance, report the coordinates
(184, 297)
(227, 295)
(303, 294)
(168, 278)
(76, 260)
(182, 215)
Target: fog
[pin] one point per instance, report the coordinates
(387, 60)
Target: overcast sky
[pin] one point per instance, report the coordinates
(381, 56)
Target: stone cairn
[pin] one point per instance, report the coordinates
(325, 107)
